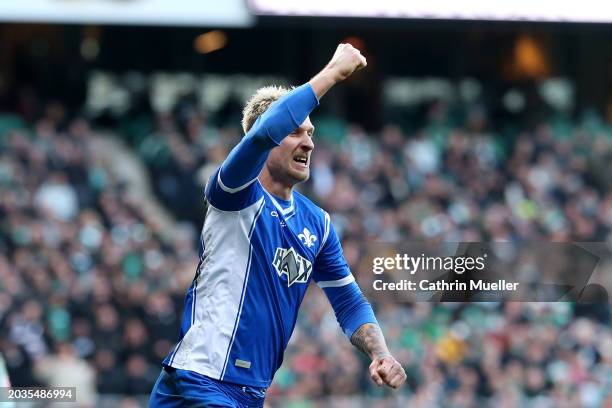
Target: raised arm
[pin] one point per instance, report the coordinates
(247, 159)
(345, 61)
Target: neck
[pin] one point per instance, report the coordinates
(275, 187)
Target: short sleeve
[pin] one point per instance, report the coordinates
(231, 199)
(331, 268)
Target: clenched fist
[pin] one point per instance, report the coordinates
(386, 370)
(346, 60)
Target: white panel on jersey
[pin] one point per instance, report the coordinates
(219, 291)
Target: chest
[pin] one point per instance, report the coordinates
(291, 242)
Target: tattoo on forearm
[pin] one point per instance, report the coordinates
(369, 339)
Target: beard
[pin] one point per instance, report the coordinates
(299, 176)
(287, 174)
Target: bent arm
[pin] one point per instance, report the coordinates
(357, 320)
(354, 312)
(247, 159)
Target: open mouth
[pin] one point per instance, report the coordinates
(303, 160)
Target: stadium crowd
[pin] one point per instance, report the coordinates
(91, 286)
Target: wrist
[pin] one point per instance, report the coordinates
(333, 74)
(381, 355)
(324, 80)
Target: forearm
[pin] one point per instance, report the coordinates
(369, 339)
(323, 81)
(356, 317)
(284, 116)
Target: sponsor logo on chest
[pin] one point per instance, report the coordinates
(293, 265)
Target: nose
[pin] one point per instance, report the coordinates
(307, 144)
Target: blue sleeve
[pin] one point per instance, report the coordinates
(332, 274)
(352, 309)
(330, 267)
(247, 158)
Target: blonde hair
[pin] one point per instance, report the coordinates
(259, 103)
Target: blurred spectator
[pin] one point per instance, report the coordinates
(66, 369)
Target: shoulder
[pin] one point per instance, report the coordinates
(225, 198)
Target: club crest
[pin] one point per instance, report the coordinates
(307, 238)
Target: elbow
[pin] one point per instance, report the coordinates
(260, 135)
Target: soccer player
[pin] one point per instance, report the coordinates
(261, 244)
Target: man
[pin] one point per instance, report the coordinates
(261, 244)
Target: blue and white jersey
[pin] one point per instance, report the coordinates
(258, 256)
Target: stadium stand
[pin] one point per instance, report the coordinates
(92, 274)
